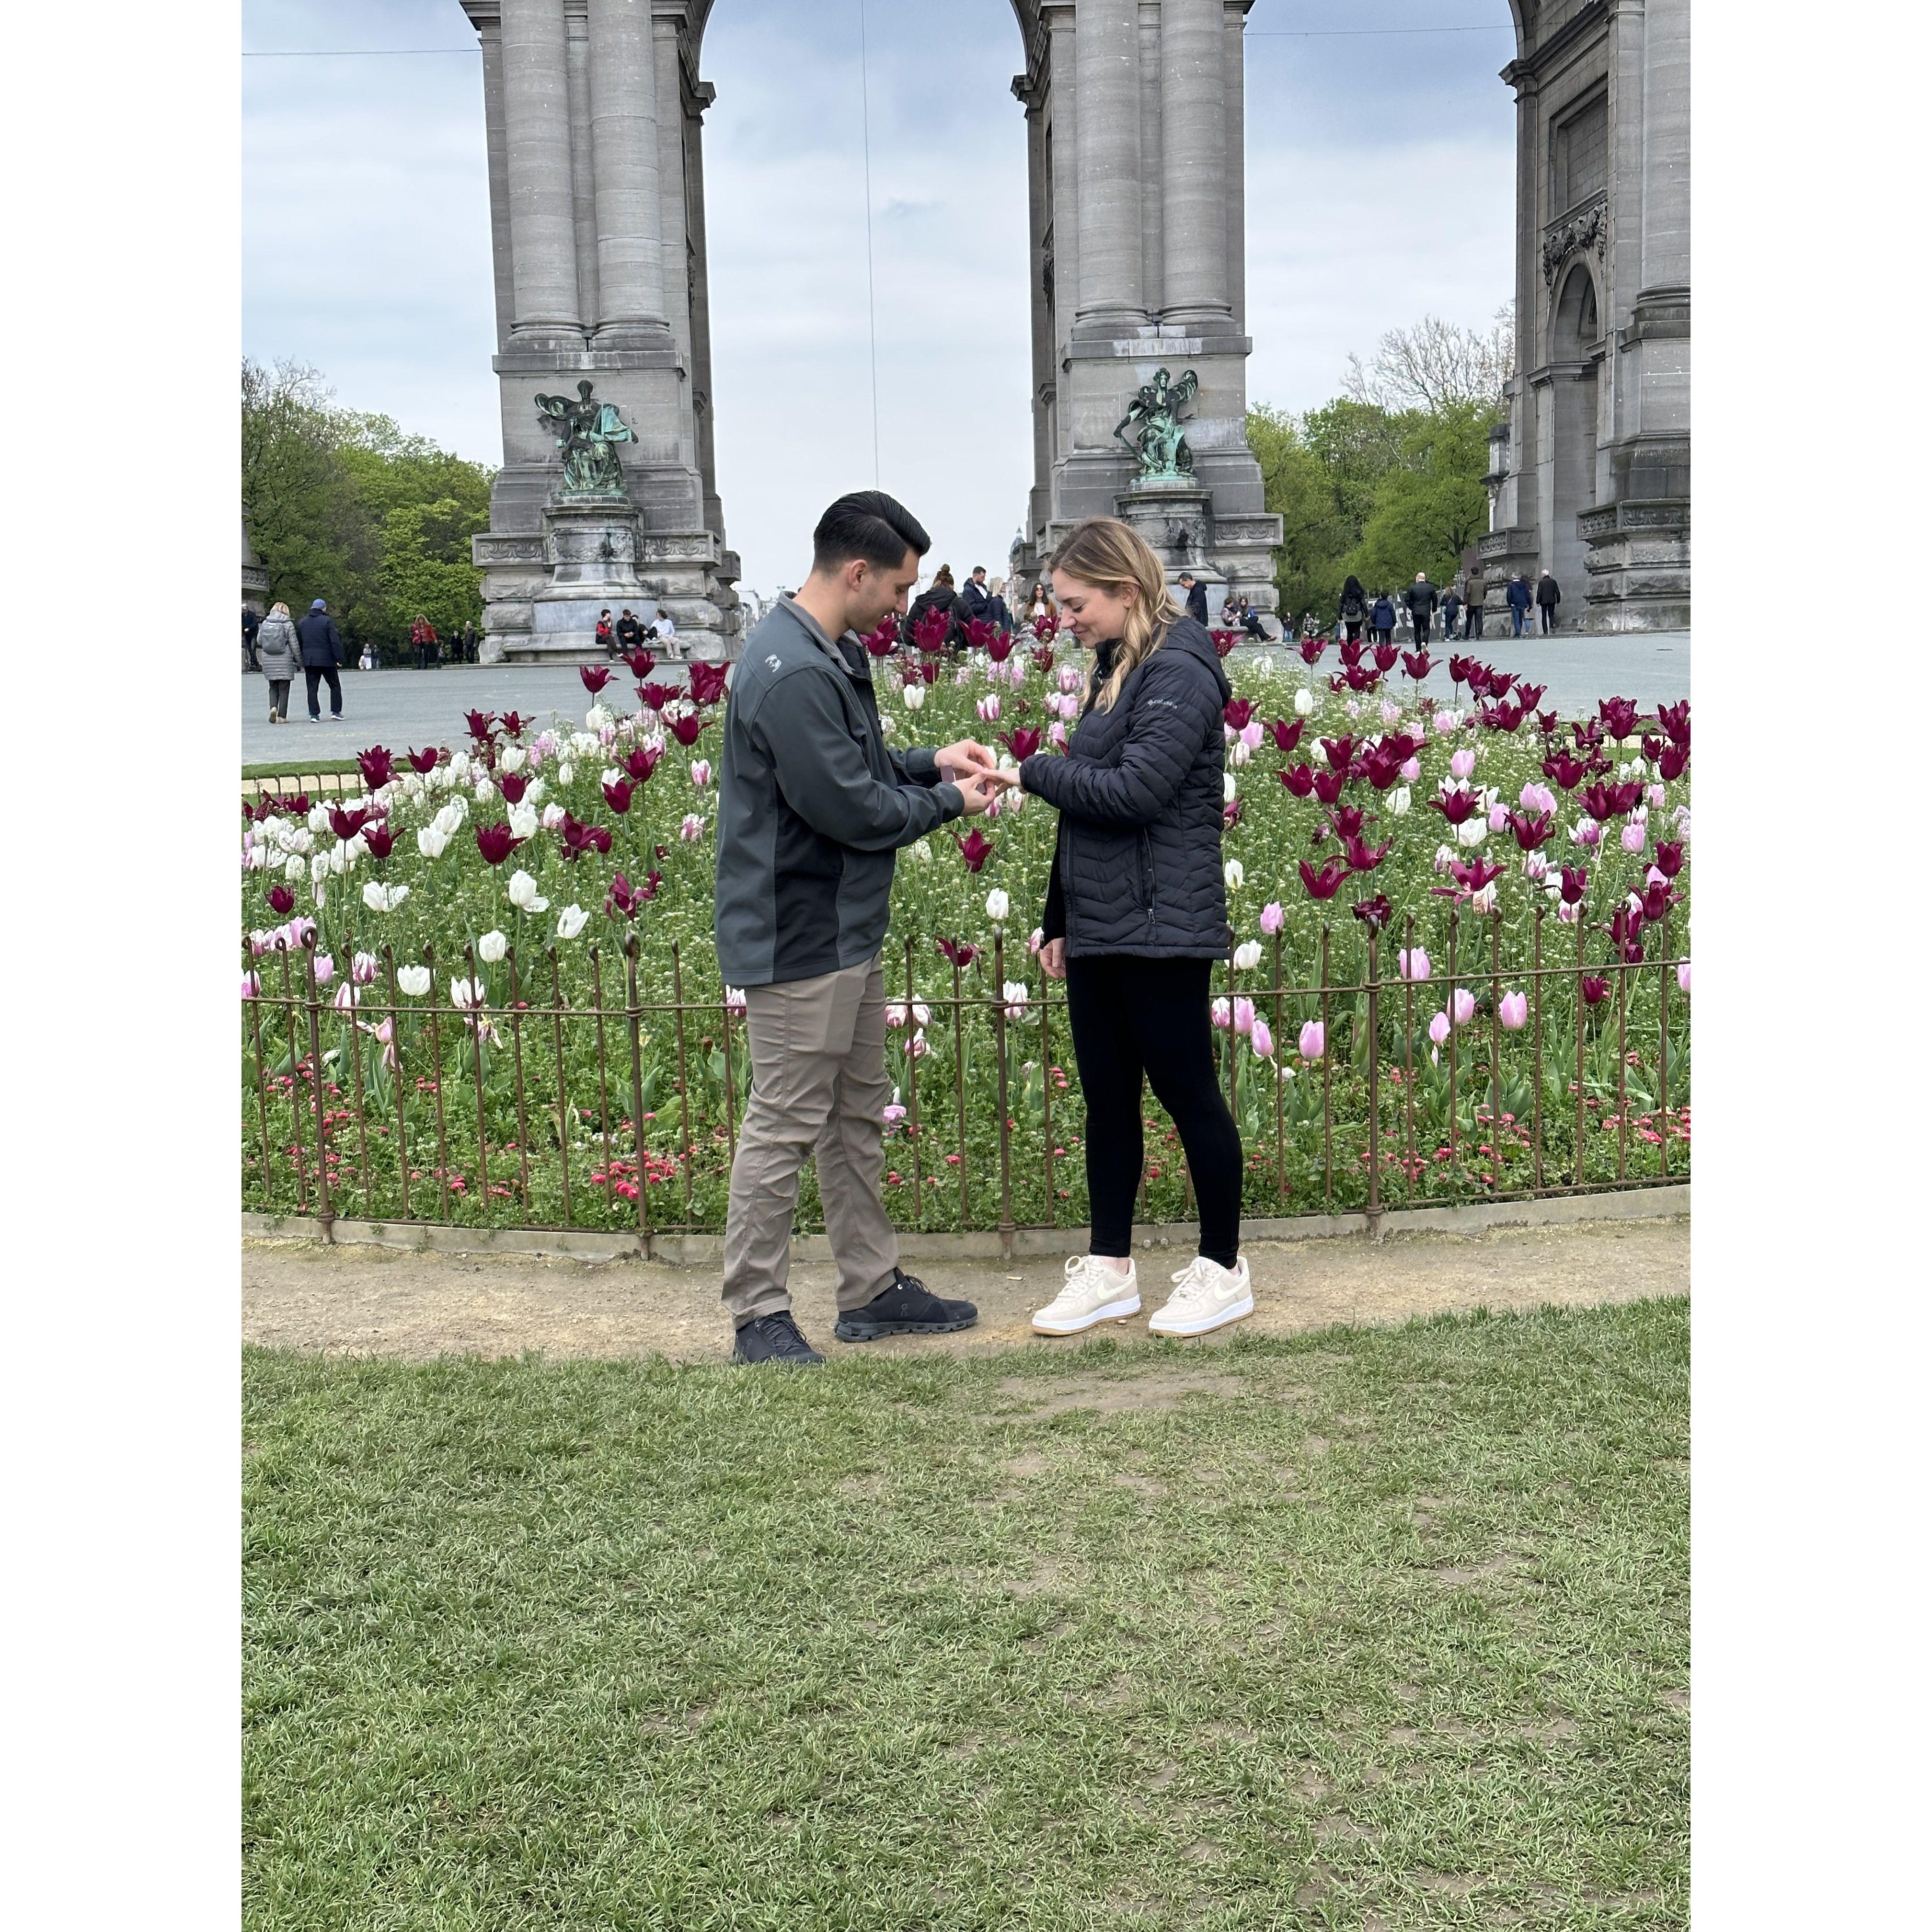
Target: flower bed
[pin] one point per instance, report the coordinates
(1466, 922)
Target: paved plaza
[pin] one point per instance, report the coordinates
(402, 708)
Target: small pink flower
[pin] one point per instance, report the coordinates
(1498, 817)
(1251, 735)
(1513, 1009)
(1244, 1016)
(1273, 918)
(1462, 763)
(693, 827)
(1411, 770)
(1412, 964)
(1314, 1039)
(1439, 1028)
(325, 967)
(1261, 1039)
(1463, 1005)
(1635, 835)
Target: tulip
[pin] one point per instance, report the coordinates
(595, 677)
(362, 969)
(1304, 703)
(413, 980)
(1232, 873)
(325, 969)
(1056, 733)
(988, 709)
(346, 997)
(1299, 779)
(1635, 834)
(1273, 918)
(1499, 818)
(1361, 857)
(1683, 977)
(976, 848)
(957, 950)
(1535, 866)
(912, 695)
(422, 762)
(1314, 1039)
(1462, 1006)
(466, 993)
(1513, 1010)
(1669, 860)
(491, 947)
(1248, 955)
(997, 905)
(523, 823)
(383, 898)
(1531, 830)
(1462, 763)
(251, 985)
(1219, 1013)
(1585, 832)
(1250, 736)
(1411, 963)
(1444, 723)
(1015, 994)
(693, 827)
(523, 896)
(1323, 884)
(281, 900)
(378, 840)
(571, 921)
(496, 843)
(1375, 914)
(1472, 833)
(1261, 1038)
(1595, 991)
(1438, 1029)
(1243, 1017)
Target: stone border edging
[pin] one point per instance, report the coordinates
(1626, 1204)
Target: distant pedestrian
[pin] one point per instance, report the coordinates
(975, 600)
(1194, 594)
(423, 638)
(630, 631)
(1547, 598)
(1517, 597)
(1249, 619)
(1382, 618)
(1038, 603)
(469, 641)
(1421, 598)
(1451, 604)
(1475, 590)
(607, 633)
(321, 658)
(279, 657)
(665, 627)
(939, 598)
(997, 614)
(251, 625)
(1353, 611)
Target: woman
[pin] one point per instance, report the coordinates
(280, 658)
(607, 636)
(939, 598)
(1037, 605)
(998, 615)
(422, 634)
(1382, 618)
(1136, 916)
(1354, 608)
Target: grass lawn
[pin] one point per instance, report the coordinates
(1372, 1628)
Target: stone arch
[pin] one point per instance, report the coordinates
(1575, 353)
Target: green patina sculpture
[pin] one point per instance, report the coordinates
(587, 433)
(1162, 450)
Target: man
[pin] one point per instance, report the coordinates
(1517, 596)
(1475, 588)
(1196, 597)
(321, 656)
(1422, 599)
(812, 806)
(630, 632)
(1547, 598)
(251, 622)
(975, 598)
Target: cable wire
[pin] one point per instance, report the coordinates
(872, 298)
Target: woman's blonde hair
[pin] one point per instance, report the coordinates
(278, 610)
(1105, 553)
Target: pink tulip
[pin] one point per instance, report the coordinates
(1513, 1009)
(362, 969)
(1218, 1012)
(1535, 865)
(1391, 713)
(325, 968)
(346, 997)
(1273, 918)
(1536, 798)
(1412, 963)
(1439, 1028)
(1463, 1005)
(251, 986)
(1586, 832)
(893, 1113)
(1462, 763)
(701, 773)
(1658, 796)
(1251, 735)
(1411, 770)
(1261, 1039)
(1314, 1039)
(1498, 817)
(1445, 723)
(693, 827)
(1244, 1016)
(1056, 733)
(1683, 978)
(1567, 914)
(1069, 677)
(988, 709)
(1635, 835)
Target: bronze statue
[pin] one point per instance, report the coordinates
(1162, 450)
(586, 434)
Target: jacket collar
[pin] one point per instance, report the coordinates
(834, 654)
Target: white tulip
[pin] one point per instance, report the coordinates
(432, 841)
(458, 767)
(566, 772)
(512, 758)
(533, 792)
(413, 785)
(922, 851)
(597, 717)
(1240, 752)
(379, 898)
(491, 947)
(997, 905)
(318, 868)
(1232, 871)
(1472, 831)
(414, 980)
(524, 821)
(524, 894)
(1398, 802)
(295, 871)
(913, 695)
(1304, 702)
(571, 921)
(1015, 993)
(553, 815)
(1228, 787)
(1248, 955)
(465, 993)
(888, 726)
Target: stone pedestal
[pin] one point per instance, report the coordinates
(1177, 517)
(1639, 565)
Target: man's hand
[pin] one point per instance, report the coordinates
(979, 789)
(957, 761)
(1053, 958)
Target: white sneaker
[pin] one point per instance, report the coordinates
(1206, 1295)
(1092, 1294)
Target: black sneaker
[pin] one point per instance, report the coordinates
(906, 1308)
(775, 1338)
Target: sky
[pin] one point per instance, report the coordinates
(1380, 173)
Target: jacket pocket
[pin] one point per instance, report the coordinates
(1147, 874)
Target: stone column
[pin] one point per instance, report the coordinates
(1667, 127)
(1106, 46)
(1234, 197)
(536, 127)
(1194, 163)
(624, 141)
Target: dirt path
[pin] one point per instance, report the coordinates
(387, 1301)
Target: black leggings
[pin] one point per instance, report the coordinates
(1132, 1015)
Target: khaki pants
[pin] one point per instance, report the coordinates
(818, 1086)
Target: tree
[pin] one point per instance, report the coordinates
(1433, 505)
(1437, 364)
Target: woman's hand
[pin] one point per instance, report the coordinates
(1053, 958)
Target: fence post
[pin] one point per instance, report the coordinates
(1000, 1053)
(1536, 1049)
(563, 1121)
(476, 1022)
(325, 1211)
(683, 1083)
(1327, 1088)
(959, 1087)
(1374, 1228)
(912, 1100)
(634, 1018)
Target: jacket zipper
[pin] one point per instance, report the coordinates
(1146, 876)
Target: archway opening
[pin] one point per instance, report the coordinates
(1575, 351)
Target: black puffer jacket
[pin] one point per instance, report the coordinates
(1138, 866)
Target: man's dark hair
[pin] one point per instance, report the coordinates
(869, 525)
(1187, 577)
(978, 570)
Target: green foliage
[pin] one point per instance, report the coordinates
(1364, 490)
(351, 507)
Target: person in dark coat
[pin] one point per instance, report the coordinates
(975, 600)
(251, 624)
(1382, 618)
(1195, 595)
(321, 658)
(939, 595)
(1547, 598)
(1451, 604)
(1421, 599)
(997, 614)
(1136, 915)
(630, 631)
(1517, 597)
(1475, 590)
(1353, 611)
